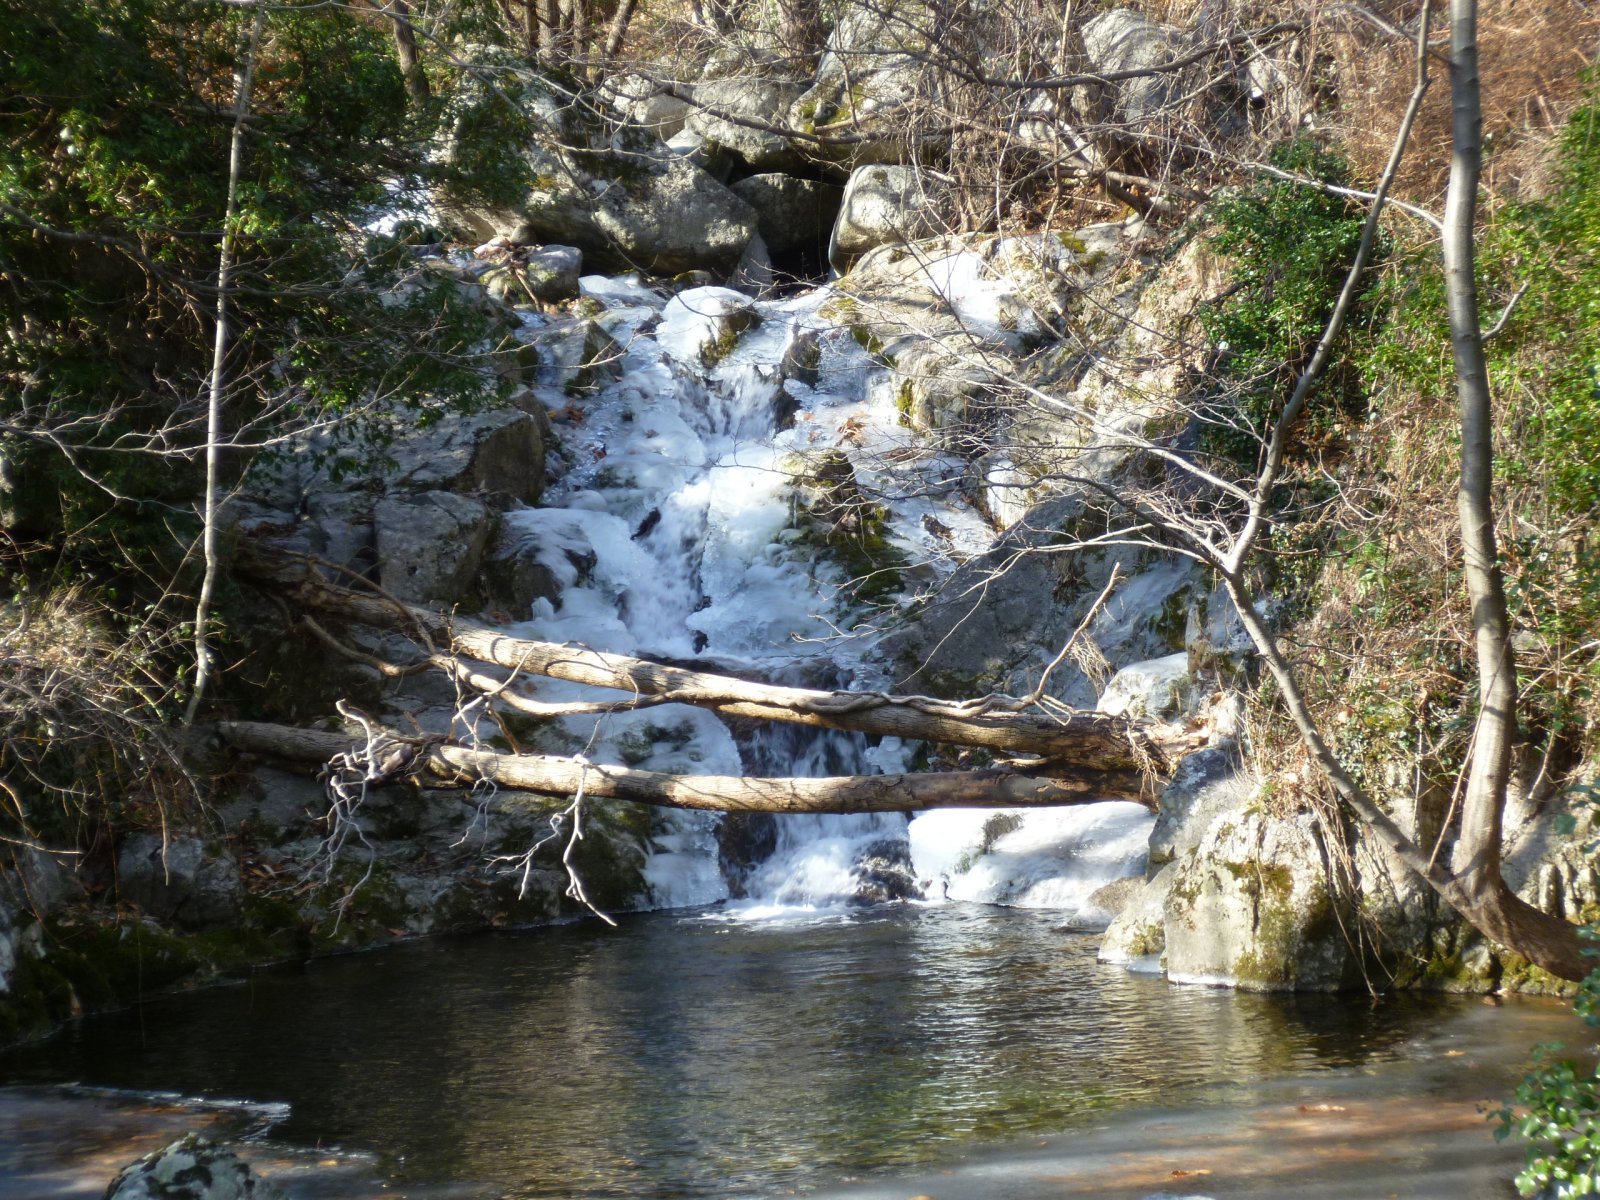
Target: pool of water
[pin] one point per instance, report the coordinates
(692, 1056)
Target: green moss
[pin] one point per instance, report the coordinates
(734, 326)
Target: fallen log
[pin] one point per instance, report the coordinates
(1095, 741)
(443, 765)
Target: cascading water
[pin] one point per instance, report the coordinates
(674, 535)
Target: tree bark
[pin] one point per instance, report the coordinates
(405, 50)
(1479, 890)
(1079, 739)
(455, 766)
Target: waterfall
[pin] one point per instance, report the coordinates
(673, 534)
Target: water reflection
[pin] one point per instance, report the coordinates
(682, 1057)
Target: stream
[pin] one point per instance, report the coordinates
(698, 1056)
(767, 1034)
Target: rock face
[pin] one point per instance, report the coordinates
(1005, 614)
(620, 195)
(430, 545)
(180, 879)
(190, 1169)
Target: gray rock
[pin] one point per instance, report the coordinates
(1137, 935)
(620, 195)
(644, 103)
(1251, 908)
(190, 1169)
(430, 545)
(791, 214)
(1207, 784)
(337, 528)
(500, 452)
(753, 95)
(870, 71)
(180, 879)
(884, 205)
(575, 355)
(1001, 617)
(536, 273)
(1124, 40)
(514, 576)
(1158, 688)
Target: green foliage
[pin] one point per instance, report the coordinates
(1290, 246)
(1558, 1104)
(1544, 368)
(117, 119)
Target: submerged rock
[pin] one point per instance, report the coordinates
(883, 872)
(190, 1169)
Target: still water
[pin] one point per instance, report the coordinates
(693, 1056)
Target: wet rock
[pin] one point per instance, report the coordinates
(1137, 935)
(744, 842)
(701, 326)
(190, 1169)
(881, 206)
(180, 879)
(791, 214)
(430, 545)
(883, 872)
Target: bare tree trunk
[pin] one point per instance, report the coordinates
(1479, 888)
(454, 766)
(618, 31)
(1123, 752)
(244, 77)
(405, 50)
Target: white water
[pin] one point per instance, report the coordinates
(673, 535)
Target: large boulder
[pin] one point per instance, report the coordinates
(431, 544)
(499, 452)
(884, 205)
(534, 160)
(758, 101)
(1121, 39)
(1252, 908)
(647, 104)
(870, 74)
(190, 1169)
